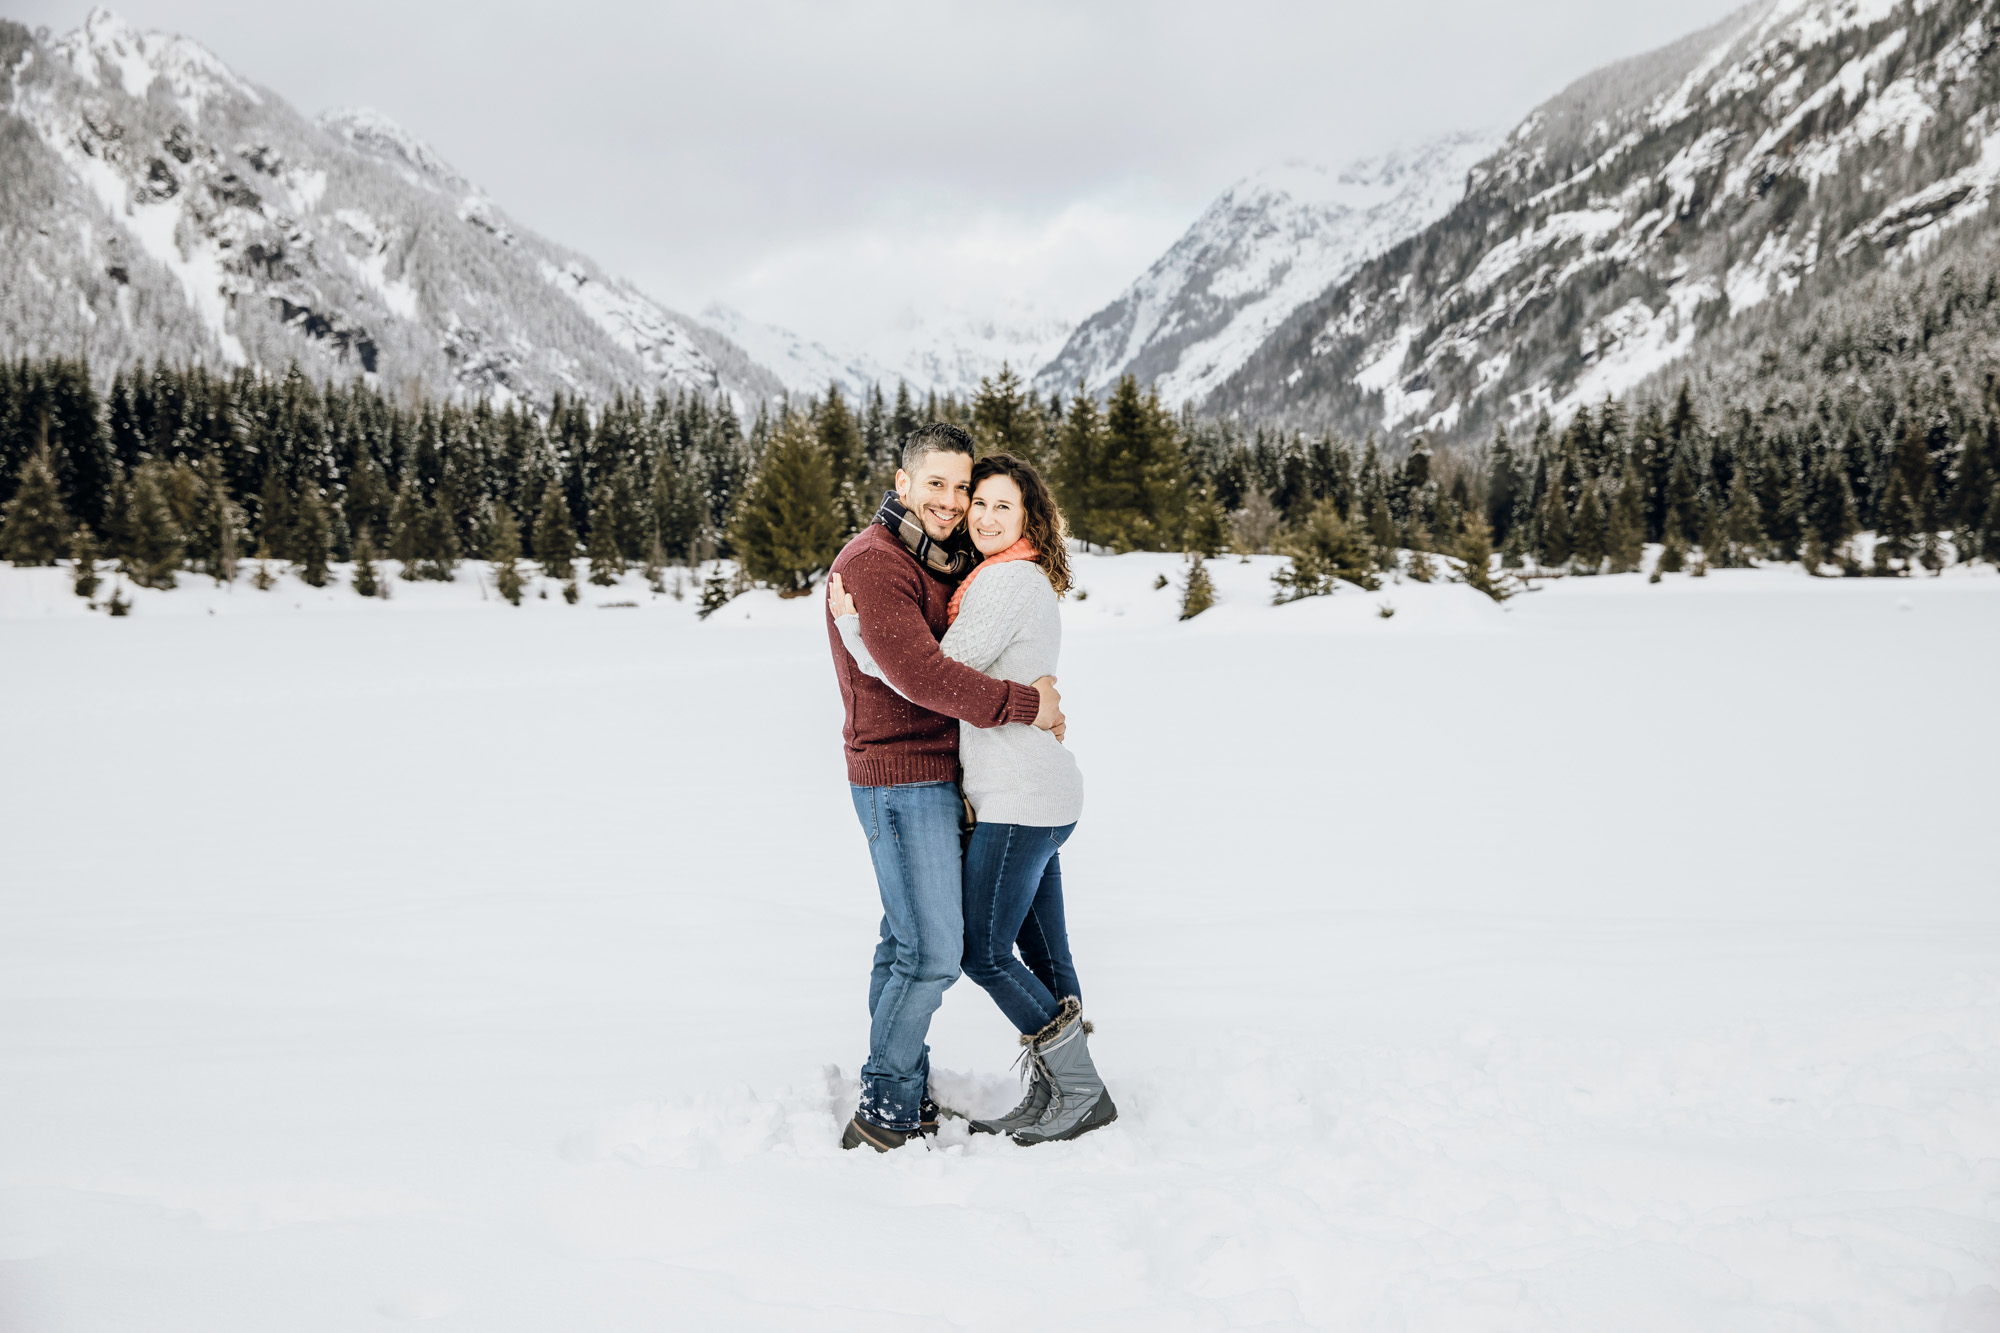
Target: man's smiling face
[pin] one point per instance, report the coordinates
(938, 491)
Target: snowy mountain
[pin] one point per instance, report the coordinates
(948, 351)
(803, 366)
(1271, 243)
(1797, 143)
(951, 348)
(160, 206)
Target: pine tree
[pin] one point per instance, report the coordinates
(365, 582)
(1475, 554)
(1324, 550)
(405, 528)
(312, 537)
(846, 453)
(34, 526)
(156, 542)
(1076, 469)
(1556, 546)
(1254, 528)
(787, 527)
(83, 555)
(216, 522)
(1987, 542)
(1140, 490)
(437, 544)
(274, 516)
(1625, 538)
(555, 535)
(1741, 532)
(1206, 529)
(1592, 529)
(1197, 592)
(503, 549)
(1003, 420)
(607, 559)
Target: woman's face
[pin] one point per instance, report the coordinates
(997, 515)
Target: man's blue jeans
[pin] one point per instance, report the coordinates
(914, 842)
(1013, 897)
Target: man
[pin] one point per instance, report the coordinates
(902, 764)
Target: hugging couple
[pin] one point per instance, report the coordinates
(942, 618)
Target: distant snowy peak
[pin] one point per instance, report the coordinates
(1270, 243)
(947, 351)
(803, 366)
(368, 131)
(950, 349)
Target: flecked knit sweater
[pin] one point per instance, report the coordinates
(909, 733)
(1008, 627)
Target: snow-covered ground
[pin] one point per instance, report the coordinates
(1625, 959)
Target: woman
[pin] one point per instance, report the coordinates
(1026, 793)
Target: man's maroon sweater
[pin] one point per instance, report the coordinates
(892, 739)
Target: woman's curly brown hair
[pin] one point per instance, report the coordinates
(1042, 522)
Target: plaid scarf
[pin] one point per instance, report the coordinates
(948, 559)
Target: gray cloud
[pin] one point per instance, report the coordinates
(827, 163)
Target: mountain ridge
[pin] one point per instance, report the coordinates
(146, 170)
(1641, 208)
(1269, 243)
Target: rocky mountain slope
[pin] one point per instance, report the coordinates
(1271, 243)
(157, 205)
(1791, 149)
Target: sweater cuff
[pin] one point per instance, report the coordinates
(1024, 703)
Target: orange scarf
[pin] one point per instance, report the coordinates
(1020, 550)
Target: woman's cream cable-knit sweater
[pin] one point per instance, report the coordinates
(1009, 627)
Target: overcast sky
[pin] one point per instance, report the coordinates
(831, 165)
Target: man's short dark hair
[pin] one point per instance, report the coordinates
(939, 435)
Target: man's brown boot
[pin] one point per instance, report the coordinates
(861, 1130)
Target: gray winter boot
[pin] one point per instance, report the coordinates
(1036, 1099)
(1077, 1100)
(1031, 1107)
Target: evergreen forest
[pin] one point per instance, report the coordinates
(1858, 418)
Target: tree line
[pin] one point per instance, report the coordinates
(175, 469)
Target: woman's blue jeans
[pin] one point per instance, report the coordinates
(913, 839)
(1013, 898)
